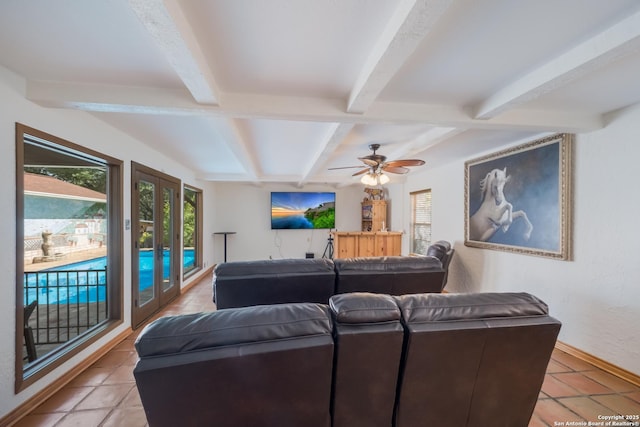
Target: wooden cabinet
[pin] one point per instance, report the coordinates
(370, 241)
(388, 244)
(374, 215)
(350, 244)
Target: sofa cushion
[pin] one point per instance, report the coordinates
(471, 306)
(364, 307)
(185, 333)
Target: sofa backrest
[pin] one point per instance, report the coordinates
(247, 283)
(263, 365)
(368, 336)
(473, 359)
(365, 360)
(393, 275)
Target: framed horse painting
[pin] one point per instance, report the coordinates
(519, 199)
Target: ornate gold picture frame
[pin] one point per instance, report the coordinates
(519, 199)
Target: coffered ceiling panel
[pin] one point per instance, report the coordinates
(283, 47)
(288, 91)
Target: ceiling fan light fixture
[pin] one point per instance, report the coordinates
(372, 179)
(369, 179)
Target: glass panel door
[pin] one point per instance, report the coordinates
(156, 250)
(168, 258)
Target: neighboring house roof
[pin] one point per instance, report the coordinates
(42, 185)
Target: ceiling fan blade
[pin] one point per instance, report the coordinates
(376, 162)
(360, 172)
(406, 162)
(394, 169)
(344, 167)
(369, 162)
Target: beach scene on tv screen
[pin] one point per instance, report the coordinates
(294, 210)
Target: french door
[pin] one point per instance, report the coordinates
(155, 263)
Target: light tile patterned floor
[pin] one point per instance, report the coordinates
(106, 395)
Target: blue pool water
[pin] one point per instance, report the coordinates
(85, 281)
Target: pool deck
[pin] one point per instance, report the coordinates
(68, 259)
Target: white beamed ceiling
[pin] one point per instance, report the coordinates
(282, 91)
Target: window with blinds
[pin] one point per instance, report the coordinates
(420, 221)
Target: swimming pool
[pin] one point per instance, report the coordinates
(85, 281)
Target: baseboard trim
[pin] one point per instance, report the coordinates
(30, 404)
(599, 363)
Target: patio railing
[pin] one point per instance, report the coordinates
(68, 303)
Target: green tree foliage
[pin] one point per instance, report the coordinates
(167, 208)
(323, 219)
(189, 218)
(145, 205)
(92, 178)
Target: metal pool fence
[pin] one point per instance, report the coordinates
(69, 302)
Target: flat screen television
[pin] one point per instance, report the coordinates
(302, 210)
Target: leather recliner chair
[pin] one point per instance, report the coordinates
(473, 360)
(254, 366)
(393, 275)
(278, 281)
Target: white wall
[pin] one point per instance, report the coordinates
(246, 209)
(597, 294)
(86, 130)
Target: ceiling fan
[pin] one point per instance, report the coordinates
(376, 164)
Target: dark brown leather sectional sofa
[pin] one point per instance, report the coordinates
(363, 360)
(247, 283)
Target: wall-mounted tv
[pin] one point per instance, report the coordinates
(300, 210)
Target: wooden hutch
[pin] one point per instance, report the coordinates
(374, 215)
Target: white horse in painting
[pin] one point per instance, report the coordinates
(495, 212)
